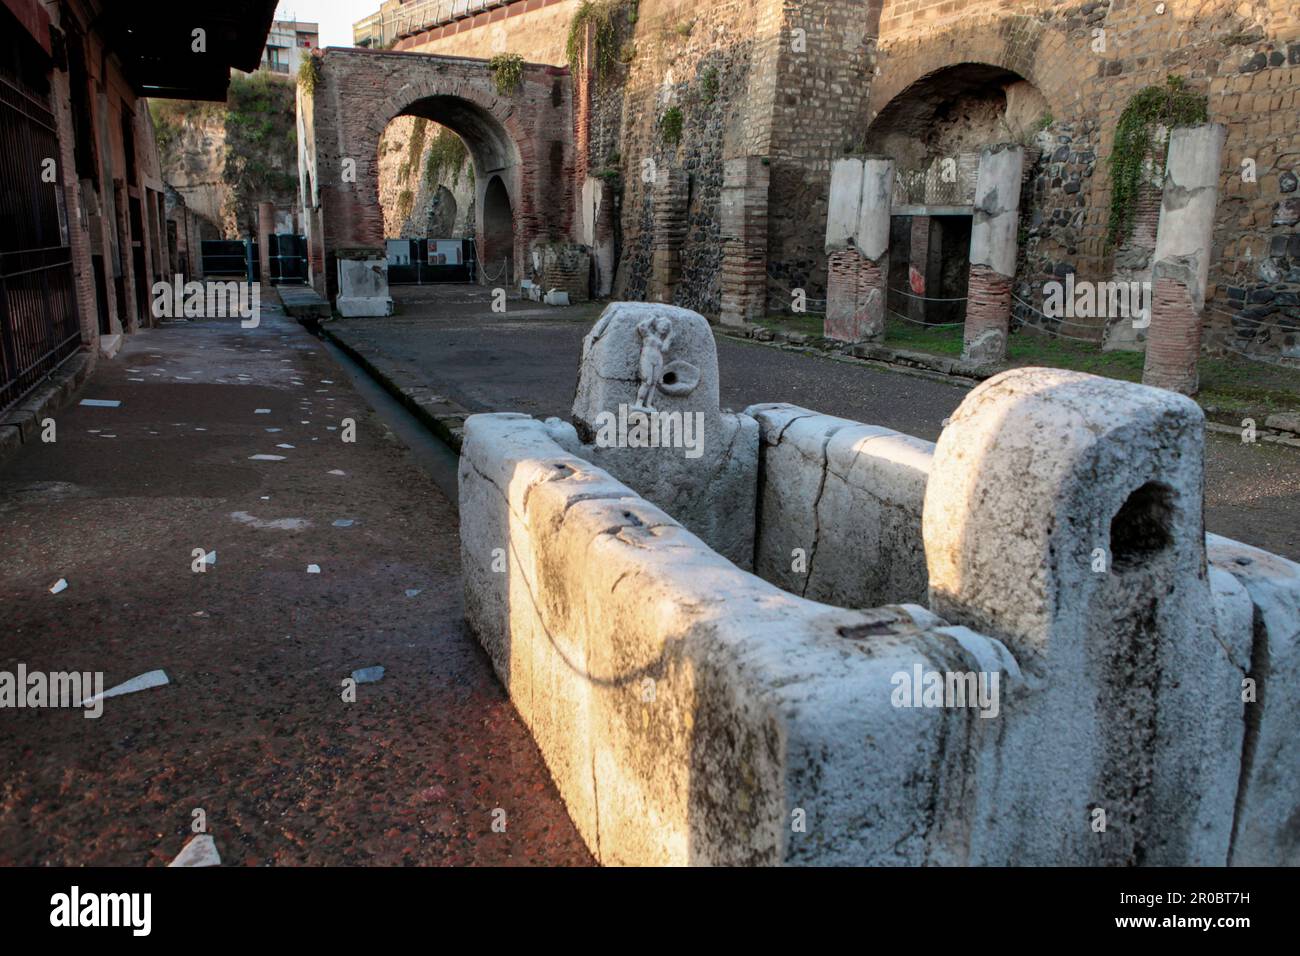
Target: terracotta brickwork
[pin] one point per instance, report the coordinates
(523, 137)
(800, 83)
(987, 307)
(1173, 346)
(1244, 56)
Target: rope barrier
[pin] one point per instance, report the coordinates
(483, 273)
(922, 298)
(928, 325)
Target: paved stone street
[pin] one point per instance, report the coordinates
(252, 728)
(528, 362)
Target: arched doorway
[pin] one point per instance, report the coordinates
(498, 234)
(934, 130)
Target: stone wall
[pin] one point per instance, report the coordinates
(1087, 61)
(797, 84)
(535, 29)
(415, 203)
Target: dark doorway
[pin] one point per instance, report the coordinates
(497, 259)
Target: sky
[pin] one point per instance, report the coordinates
(334, 16)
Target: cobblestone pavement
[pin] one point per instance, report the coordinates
(526, 360)
(252, 729)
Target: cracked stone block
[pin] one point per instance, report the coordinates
(1064, 517)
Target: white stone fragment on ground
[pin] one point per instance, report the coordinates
(266, 457)
(60, 585)
(369, 675)
(272, 430)
(200, 851)
(101, 402)
(261, 411)
(337, 471)
(276, 524)
(412, 592)
(145, 681)
(313, 569)
(284, 446)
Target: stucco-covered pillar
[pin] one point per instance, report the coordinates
(857, 247)
(745, 182)
(993, 253)
(1182, 257)
(265, 229)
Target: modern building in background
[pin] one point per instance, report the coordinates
(287, 43)
(83, 212)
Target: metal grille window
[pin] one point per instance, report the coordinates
(38, 308)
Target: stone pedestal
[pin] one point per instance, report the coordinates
(363, 284)
(993, 254)
(1182, 257)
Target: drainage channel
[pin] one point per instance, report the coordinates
(429, 451)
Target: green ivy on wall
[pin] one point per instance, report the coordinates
(604, 16)
(1169, 106)
(507, 71)
(308, 74)
(670, 126)
(447, 153)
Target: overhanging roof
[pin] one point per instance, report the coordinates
(155, 42)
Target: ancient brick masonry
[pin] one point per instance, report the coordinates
(1174, 343)
(1184, 240)
(671, 190)
(841, 293)
(857, 246)
(988, 304)
(744, 240)
(993, 253)
(524, 138)
(855, 297)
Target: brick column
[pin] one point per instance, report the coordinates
(743, 220)
(857, 246)
(993, 253)
(843, 208)
(1182, 257)
(670, 232)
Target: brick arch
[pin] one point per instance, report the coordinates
(524, 137)
(1020, 45)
